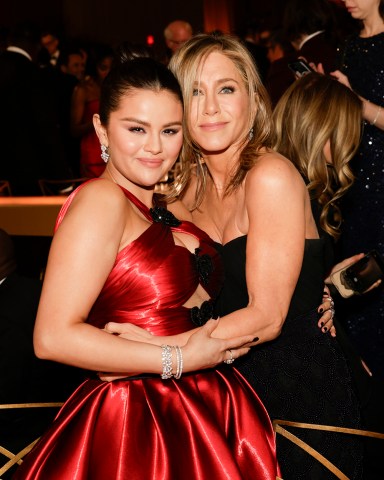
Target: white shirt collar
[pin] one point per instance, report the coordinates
(309, 37)
(19, 50)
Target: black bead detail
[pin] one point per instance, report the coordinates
(162, 215)
(200, 315)
(204, 266)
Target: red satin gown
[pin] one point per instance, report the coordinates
(208, 425)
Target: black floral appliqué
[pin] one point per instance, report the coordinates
(162, 215)
(200, 315)
(204, 266)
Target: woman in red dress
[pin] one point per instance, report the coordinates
(118, 255)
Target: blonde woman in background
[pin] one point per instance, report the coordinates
(321, 138)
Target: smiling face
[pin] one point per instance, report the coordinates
(218, 115)
(144, 136)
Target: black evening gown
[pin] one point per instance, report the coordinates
(302, 375)
(363, 206)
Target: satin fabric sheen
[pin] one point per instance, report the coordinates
(207, 425)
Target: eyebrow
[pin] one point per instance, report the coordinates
(147, 124)
(221, 80)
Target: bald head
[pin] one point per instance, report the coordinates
(177, 33)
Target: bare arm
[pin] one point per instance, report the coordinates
(372, 113)
(275, 203)
(83, 253)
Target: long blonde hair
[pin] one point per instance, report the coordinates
(185, 64)
(313, 110)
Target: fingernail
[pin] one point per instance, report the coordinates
(321, 309)
(325, 329)
(322, 324)
(325, 292)
(256, 339)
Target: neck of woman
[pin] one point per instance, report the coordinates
(144, 194)
(220, 170)
(372, 25)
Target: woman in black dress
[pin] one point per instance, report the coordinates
(255, 205)
(362, 69)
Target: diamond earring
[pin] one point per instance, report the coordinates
(104, 153)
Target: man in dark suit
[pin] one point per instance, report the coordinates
(29, 135)
(51, 45)
(311, 28)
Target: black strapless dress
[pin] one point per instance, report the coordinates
(301, 376)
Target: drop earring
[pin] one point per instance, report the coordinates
(104, 153)
(250, 135)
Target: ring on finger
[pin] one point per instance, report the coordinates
(332, 310)
(229, 360)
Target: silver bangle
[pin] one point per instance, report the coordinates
(166, 359)
(179, 362)
(377, 116)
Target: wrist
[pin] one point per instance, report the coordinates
(378, 112)
(166, 362)
(172, 362)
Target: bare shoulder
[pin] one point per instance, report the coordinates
(274, 170)
(105, 189)
(100, 198)
(101, 216)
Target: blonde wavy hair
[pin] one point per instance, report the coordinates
(185, 65)
(314, 109)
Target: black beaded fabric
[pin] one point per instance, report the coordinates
(302, 376)
(363, 206)
(204, 266)
(162, 215)
(201, 315)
